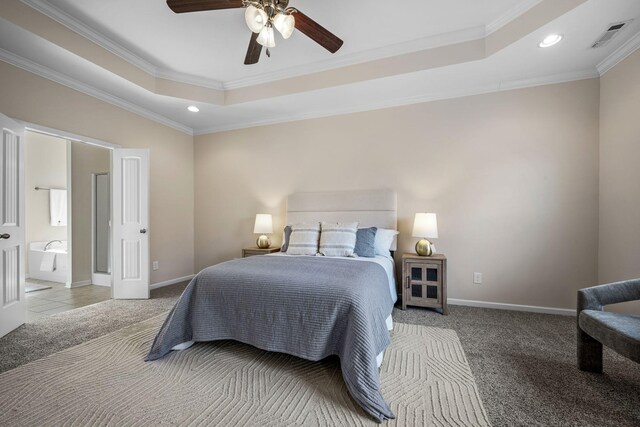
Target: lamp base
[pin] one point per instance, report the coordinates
(263, 242)
(424, 248)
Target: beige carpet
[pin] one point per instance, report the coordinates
(425, 378)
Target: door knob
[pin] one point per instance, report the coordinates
(143, 231)
(5, 236)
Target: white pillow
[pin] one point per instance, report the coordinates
(304, 238)
(338, 238)
(384, 240)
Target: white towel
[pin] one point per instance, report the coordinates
(58, 207)
(48, 262)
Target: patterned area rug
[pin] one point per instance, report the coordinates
(425, 378)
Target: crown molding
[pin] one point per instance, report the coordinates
(425, 43)
(47, 73)
(511, 14)
(62, 79)
(430, 97)
(590, 73)
(189, 79)
(340, 61)
(101, 40)
(85, 31)
(620, 54)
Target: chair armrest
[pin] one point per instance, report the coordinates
(598, 296)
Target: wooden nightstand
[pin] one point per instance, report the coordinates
(424, 281)
(247, 252)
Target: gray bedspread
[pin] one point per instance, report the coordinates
(310, 307)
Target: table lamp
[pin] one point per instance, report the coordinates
(425, 226)
(263, 226)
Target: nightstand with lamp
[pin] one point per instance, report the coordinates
(424, 274)
(263, 226)
(425, 226)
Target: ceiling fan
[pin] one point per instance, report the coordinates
(262, 16)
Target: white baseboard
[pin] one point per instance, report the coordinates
(514, 307)
(100, 279)
(78, 284)
(171, 282)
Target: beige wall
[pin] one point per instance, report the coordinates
(619, 257)
(27, 97)
(513, 177)
(45, 166)
(85, 160)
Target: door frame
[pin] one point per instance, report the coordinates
(71, 137)
(99, 278)
(67, 143)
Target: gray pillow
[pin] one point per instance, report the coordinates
(365, 242)
(285, 239)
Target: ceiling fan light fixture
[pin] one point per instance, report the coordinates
(256, 18)
(267, 37)
(285, 24)
(263, 18)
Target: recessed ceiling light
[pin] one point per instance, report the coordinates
(193, 108)
(550, 40)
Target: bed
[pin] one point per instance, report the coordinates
(306, 306)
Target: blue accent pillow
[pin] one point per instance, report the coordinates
(365, 242)
(285, 240)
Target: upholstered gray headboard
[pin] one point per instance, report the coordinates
(374, 208)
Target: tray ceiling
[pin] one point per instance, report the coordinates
(142, 57)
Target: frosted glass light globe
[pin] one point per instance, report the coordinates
(285, 24)
(256, 18)
(267, 37)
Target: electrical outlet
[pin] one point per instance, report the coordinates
(477, 278)
(156, 265)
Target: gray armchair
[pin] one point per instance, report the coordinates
(620, 332)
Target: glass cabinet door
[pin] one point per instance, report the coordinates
(424, 282)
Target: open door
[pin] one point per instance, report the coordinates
(12, 299)
(130, 187)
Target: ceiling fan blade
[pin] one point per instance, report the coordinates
(183, 6)
(253, 53)
(317, 32)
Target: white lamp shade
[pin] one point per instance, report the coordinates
(264, 224)
(256, 18)
(267, 37)
(425, 225)
(285, 24)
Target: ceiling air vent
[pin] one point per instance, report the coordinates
(608, 35)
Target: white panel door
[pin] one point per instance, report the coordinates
(12, 300)
(130, 224)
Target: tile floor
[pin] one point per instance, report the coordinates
(59, 298)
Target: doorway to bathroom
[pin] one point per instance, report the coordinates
(67, 224)
(130, 233)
